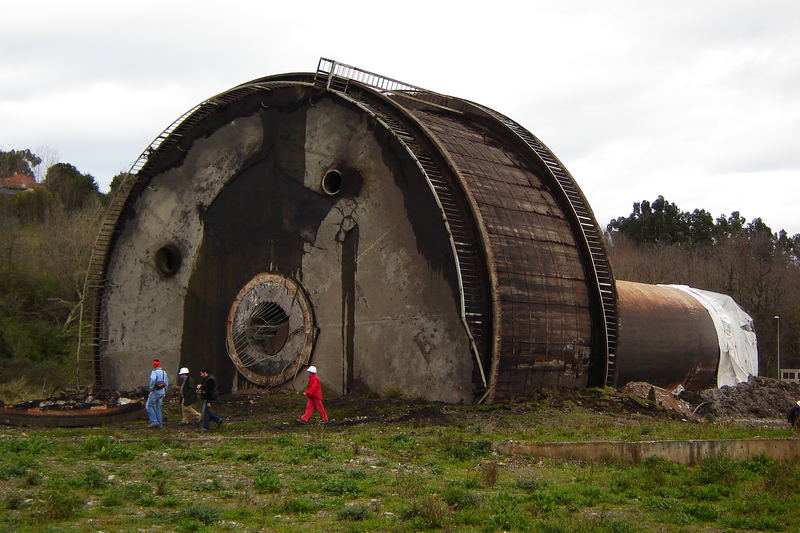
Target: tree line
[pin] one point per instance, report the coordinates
(46, 238)
(759, 268)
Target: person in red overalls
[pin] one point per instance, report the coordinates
(314, 395)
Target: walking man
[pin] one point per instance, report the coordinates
(188, 397)
(208, 391)
(314, 394)
(794, 416)
(158, 388)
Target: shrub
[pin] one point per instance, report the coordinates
(12, 501)
(782, 480)
(107, 449)
(266, 480)
(428, 511)
(153, 443)
(134, 491)
(342, 486)
(314, 450)
(488, 472)
(529, 484)
(33, 445)
(209, 485)
(93, 478)
(458, 497)
(187, 455)
(170, 501)
(759, 465)
(356, 511)
(757, 523)
(249, 457)
(392, 391)
(9, 471)
(60, 503)
(702, 512)
(303, 504)
(207, 514)
(718, 469)
(113, 499)
(465, 451)
(32, 479)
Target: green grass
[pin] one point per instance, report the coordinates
(382, 476)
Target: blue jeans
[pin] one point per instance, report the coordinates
(153, 407)
(208, 415)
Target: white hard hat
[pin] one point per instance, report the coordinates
(183, 370)
(312, 369)
(798, 403)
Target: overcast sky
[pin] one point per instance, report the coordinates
(698, 101)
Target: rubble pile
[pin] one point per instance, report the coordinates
(759, 397)
(86, 399)
(659, 396)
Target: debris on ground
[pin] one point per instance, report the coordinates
(759, 397)
(661, 397)
(758, 400)
(80, 400)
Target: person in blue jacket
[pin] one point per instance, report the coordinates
(158, 388)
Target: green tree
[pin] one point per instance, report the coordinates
(116, 181)
(74, 189)
(660, 222)
(658, 243)
(33, 206)
(18, 162)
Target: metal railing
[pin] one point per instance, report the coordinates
(333, 75)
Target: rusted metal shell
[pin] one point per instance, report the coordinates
(93, 416)
(441, 247)
(667, 338)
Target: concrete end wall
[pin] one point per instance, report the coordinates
(247, 198)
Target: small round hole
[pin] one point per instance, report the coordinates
(332, 182)
(168, 260)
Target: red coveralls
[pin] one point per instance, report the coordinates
(314, 395)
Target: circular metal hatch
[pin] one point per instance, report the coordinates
(270, 329)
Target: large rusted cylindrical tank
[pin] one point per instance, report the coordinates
(666, 337)
(391, 236)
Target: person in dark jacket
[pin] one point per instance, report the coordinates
(188, 397)
(314, 394)
(794, 416)
(208, 391)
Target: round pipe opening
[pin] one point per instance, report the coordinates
(168, 260)
(332, 182)
(268, 328)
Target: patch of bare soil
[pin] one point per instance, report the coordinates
(758, 399)
(430, 415)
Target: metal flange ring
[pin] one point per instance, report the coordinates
(270, 330)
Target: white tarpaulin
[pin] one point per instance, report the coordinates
(738, 350)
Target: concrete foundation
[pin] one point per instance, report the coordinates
(685, 452)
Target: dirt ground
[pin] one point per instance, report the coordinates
(757, 401)
(758, 398)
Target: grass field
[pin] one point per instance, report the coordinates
(386, 465)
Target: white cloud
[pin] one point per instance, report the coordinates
(692, 100)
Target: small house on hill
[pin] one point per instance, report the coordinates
(16, 184)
